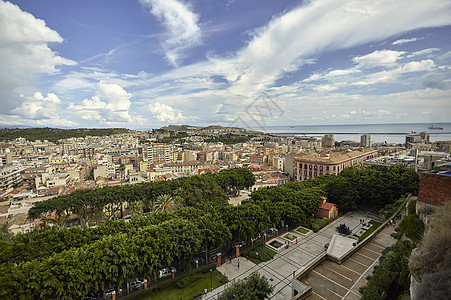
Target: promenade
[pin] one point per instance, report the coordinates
(288, 262)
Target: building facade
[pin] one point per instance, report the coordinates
(312, 166)
(365, 140)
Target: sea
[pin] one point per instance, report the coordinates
(380, 133)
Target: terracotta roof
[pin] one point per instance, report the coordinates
(334, 156)
(327, 206)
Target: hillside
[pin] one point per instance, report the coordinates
(54, 134)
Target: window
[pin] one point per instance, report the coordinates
(315, 174)
(315, 167)
(300, 166)
(321, 168)
(310, 167)
(327, 168)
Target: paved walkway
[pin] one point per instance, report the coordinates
(333, 281)
(280, 270)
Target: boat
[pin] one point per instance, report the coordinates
(435, 127)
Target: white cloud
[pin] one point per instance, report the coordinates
(307, 30)
(115, 108)
(38, 110)
(24, 52)
(384, 58)
(424, 51)
(166, 113)
(38, 106)
(404, 41)
(181, 24)
(417, 66)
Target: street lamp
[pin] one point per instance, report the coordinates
(211, 280)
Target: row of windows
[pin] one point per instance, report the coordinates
(314, 173)
(315, 167)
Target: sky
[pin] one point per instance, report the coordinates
(144, 64)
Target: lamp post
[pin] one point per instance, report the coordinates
(211, 280)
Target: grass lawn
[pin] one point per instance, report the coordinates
(302, 230)
(255, 260)
(189, 291)
(371, 230)
(287, 236)
(258, 254)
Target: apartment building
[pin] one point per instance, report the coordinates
(10, 177)
(155, 153)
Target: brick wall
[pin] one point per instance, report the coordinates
(435, 189)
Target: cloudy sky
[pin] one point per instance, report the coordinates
(147, 63)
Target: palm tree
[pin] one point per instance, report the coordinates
(166, 203)
(122, 169)
(136, 207)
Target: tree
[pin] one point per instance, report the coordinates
(5, 234)
(254, 287)
(343, 229)
(122, 169)
(166, 203)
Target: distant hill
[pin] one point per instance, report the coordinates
(54, 134)
(190, 127)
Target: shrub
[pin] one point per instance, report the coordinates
(315, 227)
(260, 252)
(343, 229)
(223, 279)
(201, 270)
(185, 281)
(411, 207)
(317, 224)
(413, 227)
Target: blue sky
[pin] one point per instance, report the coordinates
(143, 64)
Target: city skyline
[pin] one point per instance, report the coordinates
(150, 63)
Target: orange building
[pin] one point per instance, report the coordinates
(327, 210)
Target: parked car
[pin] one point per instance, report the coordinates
(200, 260)
(136, 283)
(93, 295)
(166, 272)
(271, 230)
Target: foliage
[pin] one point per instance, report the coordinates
(376, 186)
(317, 224)
(370, 231)
(229, 138)
(108, 261)
(54, 134)
(411, 207)
(190, 291)
(392, 276)
(412, 227)
(343, 229)
(194, 189)
(292, 203)
(302, 230)
(5, 234)
(430, 263)
(259, 253)
(253, 287)
(186, 280)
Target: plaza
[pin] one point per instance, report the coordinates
(291, 261)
